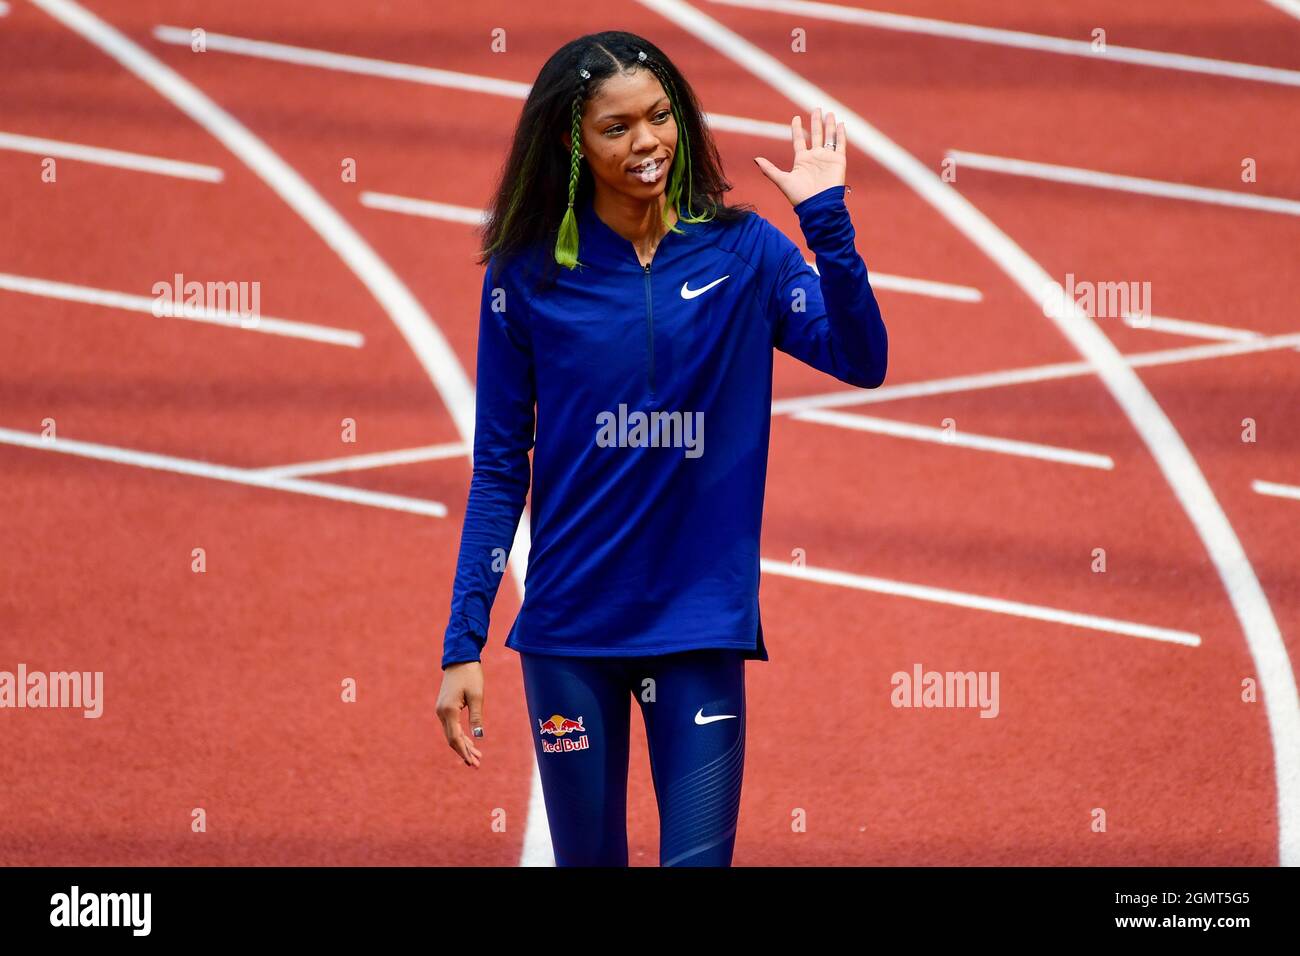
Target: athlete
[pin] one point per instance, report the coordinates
(612, 330)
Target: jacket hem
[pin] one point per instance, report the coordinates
(553, 651)
(755, 649)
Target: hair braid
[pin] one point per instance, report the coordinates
(566, 243)
(682, 159)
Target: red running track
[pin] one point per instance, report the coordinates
(222, 689)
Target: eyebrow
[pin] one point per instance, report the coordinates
(609, 116)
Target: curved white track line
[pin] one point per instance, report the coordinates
(1180, 469)
(423, 337)
(1291, 7)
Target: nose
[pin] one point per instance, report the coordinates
(645, 142)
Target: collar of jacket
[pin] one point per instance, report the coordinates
(599, 245)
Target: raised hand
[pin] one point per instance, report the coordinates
(815, 168)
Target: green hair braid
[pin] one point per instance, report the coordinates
(682, 159)
(566, 243)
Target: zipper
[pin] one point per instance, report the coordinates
(650, 331)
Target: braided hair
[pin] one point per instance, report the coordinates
(529, 197)
(566, 244)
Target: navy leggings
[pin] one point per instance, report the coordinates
(693, 705)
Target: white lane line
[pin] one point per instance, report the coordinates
(1291, 7)
(1273, 488)
(140, 303)
(1203, 330)
(1021, 40)
(926, 287)
(204, 469)
(1019, 376)
(978, 602)
(471, 216)
(344, 62)
(111, 157)
(1077, 176)
(4, 8)
(379, 459)
(425, 208)
(422, 336)
(1170, 452)
(940, 436)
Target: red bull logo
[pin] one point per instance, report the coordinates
(559, 726)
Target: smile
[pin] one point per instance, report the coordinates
(649, 174)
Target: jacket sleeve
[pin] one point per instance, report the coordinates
(827, 318)
(504, 431)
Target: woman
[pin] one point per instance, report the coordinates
(631, 305)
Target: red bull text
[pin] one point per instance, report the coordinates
(559, 726)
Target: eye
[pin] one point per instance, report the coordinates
(660, 118)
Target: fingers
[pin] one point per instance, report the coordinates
(464, 746)
(475, 699)
(469, 753)
(841, 140)
(825, 132)
(456, 738)
(770, 171)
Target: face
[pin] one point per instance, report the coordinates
(628, 121)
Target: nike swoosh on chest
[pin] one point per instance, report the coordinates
(689, 293)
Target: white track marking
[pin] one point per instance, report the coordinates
(1171, 455)
(1291, 7)
(1183, 327)
(470, 216)
(423, 207)
(111, 157)
(1024, 41)
(4, 8)
(927, 287)
(1202, 330)
(380, 459)
(1076, 176)
(345, 63)
(1019, 376)
(939, 436)
(424, 338)
(977, 602)
(204, 469)
(1273, 488)
(141, 303)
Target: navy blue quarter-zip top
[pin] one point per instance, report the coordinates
(649, 461)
